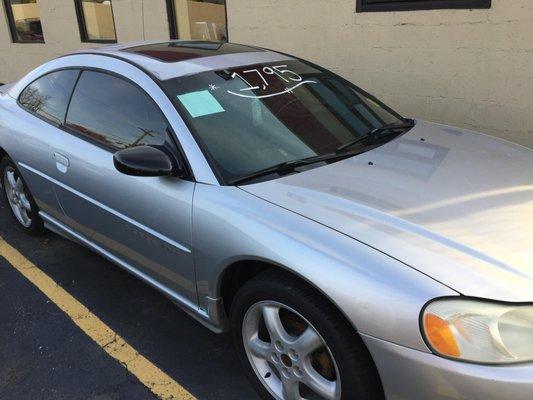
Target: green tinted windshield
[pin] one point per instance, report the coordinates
(253, 117)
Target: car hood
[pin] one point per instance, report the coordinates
(454, 204)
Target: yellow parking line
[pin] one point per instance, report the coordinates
(147, 373)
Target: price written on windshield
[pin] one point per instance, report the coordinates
(290, 79)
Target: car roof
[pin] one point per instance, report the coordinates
(175, 58)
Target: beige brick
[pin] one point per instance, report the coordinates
(466, 67)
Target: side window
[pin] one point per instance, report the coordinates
(114, 112)
(48, 96)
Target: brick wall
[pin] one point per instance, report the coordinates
(472, 68)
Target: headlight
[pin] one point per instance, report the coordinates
(478, 331)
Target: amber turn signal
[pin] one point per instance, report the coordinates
(440, 336)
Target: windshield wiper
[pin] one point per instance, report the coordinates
(340, 153)
(377, 134)
(290, 166)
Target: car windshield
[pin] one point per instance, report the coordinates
(254, 117)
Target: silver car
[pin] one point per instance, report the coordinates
(353, 253)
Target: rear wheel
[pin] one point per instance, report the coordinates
(294, 345)
(19, 198)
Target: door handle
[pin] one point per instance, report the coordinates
(62, 162)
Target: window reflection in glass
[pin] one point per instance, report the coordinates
(48, 96)
(25, 21)
(201, 19)
(96, 20)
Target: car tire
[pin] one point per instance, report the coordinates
(286, 373)
(19, 197)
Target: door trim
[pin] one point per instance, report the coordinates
(145, 228)
(209, 319)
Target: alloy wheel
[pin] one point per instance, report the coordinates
(288, 354)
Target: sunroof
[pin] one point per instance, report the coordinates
(182, 51)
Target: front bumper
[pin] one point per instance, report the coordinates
(409, 374)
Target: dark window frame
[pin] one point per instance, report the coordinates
(413, 5)
(13, 28)
(83, 26)
(172, 22)
(173, 28)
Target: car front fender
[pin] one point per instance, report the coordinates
(379, 295)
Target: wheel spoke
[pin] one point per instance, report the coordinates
(18, 214)
(25, 202)
(308, 342)
(11, 179)
(25, 216)
(18, 184)
(259, 348)
(319, 384)
(274, 325)
(291, 390)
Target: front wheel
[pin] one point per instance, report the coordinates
(294, 345)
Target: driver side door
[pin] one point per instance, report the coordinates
(143, 222)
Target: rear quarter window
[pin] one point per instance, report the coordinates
(48, 96)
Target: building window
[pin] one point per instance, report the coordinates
(408, 5)
(24, 21)
(198, 20)
(95, 18)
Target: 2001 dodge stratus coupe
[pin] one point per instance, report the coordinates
(353, 253)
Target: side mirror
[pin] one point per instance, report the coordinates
(143, 161)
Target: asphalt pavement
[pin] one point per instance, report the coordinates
(45, 355)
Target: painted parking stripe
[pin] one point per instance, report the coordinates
(147, 373)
